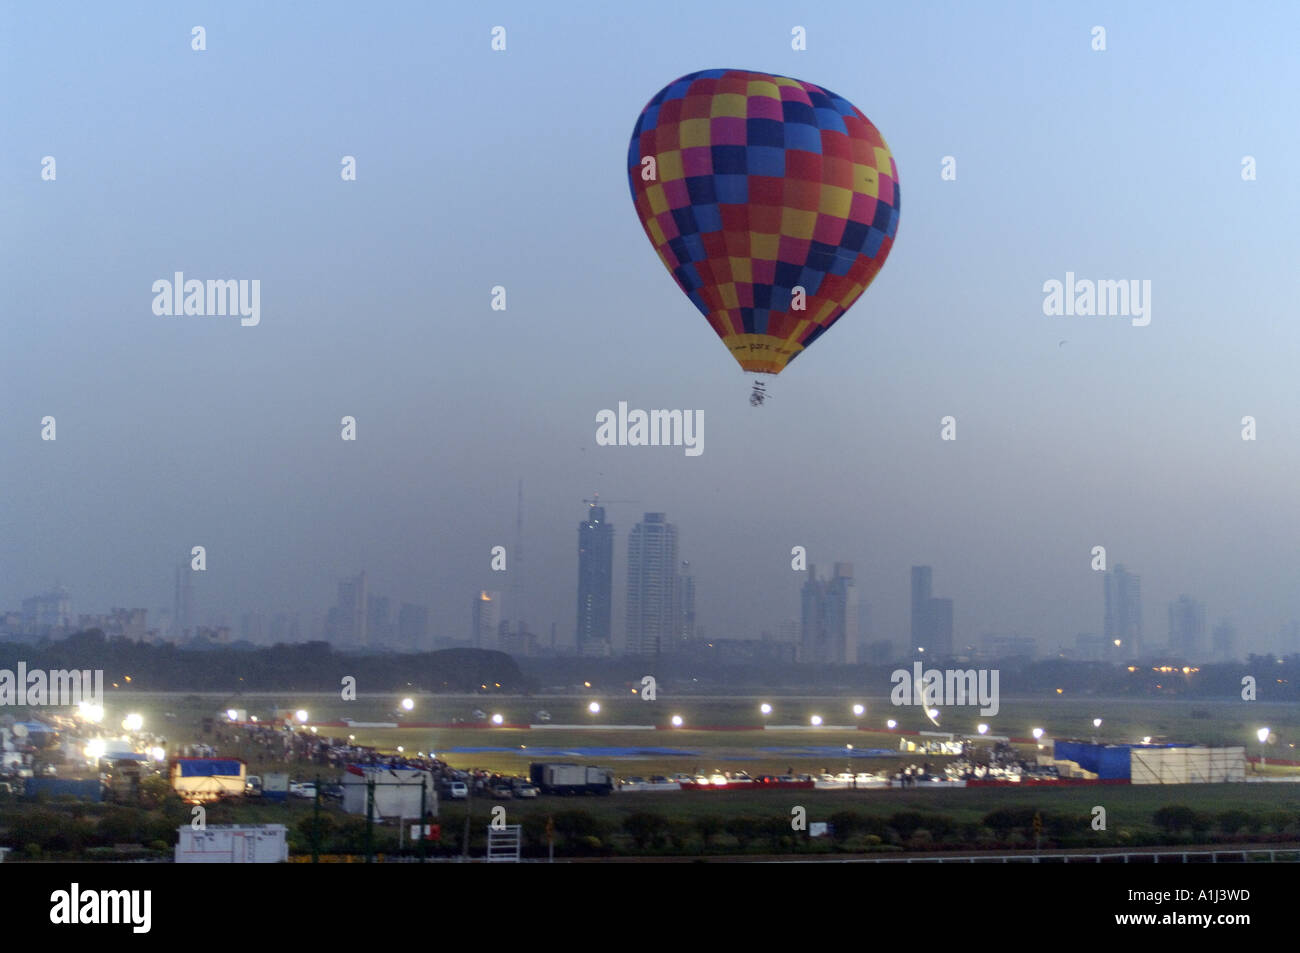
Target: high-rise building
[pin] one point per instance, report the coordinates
(830, 618)
(51, 609)
(653, 616)
(1123, 620)
(595, 584)
(920, 606)
(1186, 628)
(413, 627)
(931, 618)
(1225, 642)
(183, 601)
(686, 609)
(352, 619)
(486, 620)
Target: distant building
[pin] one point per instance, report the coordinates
(413, 627)
(653, 616)
(183, 601)
(1123, 619)
(594, 635)
(486, 620)
(1011, 647)
(1186, 628)
(830, 618)
(1089, 647)
(686, 608)
(931, 618)
(1225, 642)
(352, 619)
(51, 609)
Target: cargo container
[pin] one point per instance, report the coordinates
(206, 779)
(91, 789)
(560, 778)
(233, 844)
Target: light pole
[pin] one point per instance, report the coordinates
(1096, 724)
(1262, 735)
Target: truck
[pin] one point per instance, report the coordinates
(561, 778)
(207, 779)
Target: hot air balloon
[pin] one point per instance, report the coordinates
(772, 202)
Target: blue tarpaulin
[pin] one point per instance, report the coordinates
(207, 767)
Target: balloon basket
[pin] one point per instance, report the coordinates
(758, 394)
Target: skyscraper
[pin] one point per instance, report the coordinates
(652, 608)
(1186, 628)
(920, 603)
(352, 617)
(686, 609)
(182, 601)
(486, 620)
(1123, 621)
(595, 583)
(830, 618)
(413, 627)
(931, 618)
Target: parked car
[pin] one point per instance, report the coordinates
(526, 790)
(502, 792)
(658, 779)
(306, 789)
(457, 790)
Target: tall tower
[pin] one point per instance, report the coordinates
(595, 583)
(182, 600)
(517, 563)
(486, 619)
(1123, 620)
(652, 608)
(920, 607)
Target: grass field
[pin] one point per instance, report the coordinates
(1220, 722)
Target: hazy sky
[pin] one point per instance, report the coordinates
(478, 168)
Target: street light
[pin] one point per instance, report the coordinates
(677, 721)
(891, 724)
(408, 704)
(594, 708)
(982, 728)
(858, 710)
(1262, 735)
(498, 719)
(816, 721)
(1096, 723)
(133, 722)
(765, 708)
(301, 715)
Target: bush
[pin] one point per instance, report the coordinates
(646, 829)
(1174, 818)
